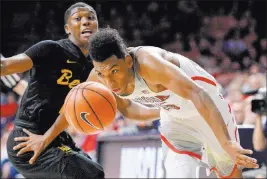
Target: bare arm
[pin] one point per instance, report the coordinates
(59, 125)
(131, 109)
(171, 77)
(15, 64)
(137, 111)
(259, 140)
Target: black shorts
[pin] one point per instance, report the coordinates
(56, 161)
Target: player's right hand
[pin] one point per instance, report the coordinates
(32, 142)
(239, 155)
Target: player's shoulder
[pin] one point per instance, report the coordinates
(146, 55)
(47, 45)
(146, 59)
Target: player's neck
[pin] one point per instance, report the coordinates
(82, 47)
(131, 84)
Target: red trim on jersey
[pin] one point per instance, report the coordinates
(236, 134)
(228, 176)
(200, 78)
(192, 154)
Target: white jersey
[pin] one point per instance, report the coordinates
(181, 126)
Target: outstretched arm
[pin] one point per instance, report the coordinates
(136, 111)
(171, 77)
(15, 64)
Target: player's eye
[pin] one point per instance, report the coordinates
(91, 17)
(114, 71)
(78, 18)
(99, 74)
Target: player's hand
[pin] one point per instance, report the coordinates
(32, 142)
(239, 155)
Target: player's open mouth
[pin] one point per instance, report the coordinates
(86, 33)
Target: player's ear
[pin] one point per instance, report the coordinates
(129, 61)
(66, 27)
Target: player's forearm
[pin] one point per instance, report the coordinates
(59, 125)
(209, 111)
(15, 64)
(139, 112)
(259, 140)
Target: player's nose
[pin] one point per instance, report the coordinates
(85, 21)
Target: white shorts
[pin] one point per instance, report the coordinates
(210, 151)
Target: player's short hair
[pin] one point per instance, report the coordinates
(105, 43)
(78, 4)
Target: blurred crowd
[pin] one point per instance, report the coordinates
(225, 39)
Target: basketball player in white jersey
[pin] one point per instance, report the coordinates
(197, 125)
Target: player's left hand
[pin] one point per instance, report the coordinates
(239, 155)
(32, 142)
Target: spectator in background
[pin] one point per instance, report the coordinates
(260, 145)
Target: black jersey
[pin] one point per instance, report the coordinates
(58, 66)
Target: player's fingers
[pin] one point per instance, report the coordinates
(27, 132)
(246, 158)
(246, 151)
(21, 138)
(23, 150)
(33, 159)
(247, 164)
(20, 145)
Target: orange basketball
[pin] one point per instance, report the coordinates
(90, 107)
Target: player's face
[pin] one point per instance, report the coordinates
(115, 73)
(82, 23)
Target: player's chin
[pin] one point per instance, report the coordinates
(84, 40)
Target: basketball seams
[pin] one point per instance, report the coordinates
(75, 110)
(103, 97)
(92, 108)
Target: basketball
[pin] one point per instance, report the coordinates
(90, 107)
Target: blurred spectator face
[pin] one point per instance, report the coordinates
(136, 34)
(246, 62)
(113, 12)
(178, 36)
(226, 62)
(263, 61)
(254, 69)
(263, 44)
(206, 21)
(11, 98)
(129, 8)
(238, 110)
(204, 43)
(252, 52)
(243, 23)
(153, 7)
(235, 66)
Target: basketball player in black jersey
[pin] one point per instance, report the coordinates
(55, 67)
